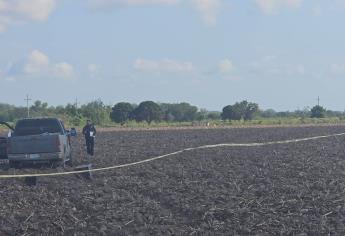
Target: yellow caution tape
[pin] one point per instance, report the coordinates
(171, 154)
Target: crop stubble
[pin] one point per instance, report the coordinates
(295, 188)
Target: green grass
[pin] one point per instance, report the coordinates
(282, 121)
(213, 123)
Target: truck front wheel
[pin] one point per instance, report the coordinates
(13, 164)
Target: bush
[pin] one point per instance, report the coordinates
(318, 112)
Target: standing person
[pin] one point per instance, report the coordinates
(89, 132)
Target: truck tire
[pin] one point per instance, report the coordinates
(54, 164)
(13, 164)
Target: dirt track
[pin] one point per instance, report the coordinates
(279, 189)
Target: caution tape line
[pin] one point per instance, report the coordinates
(171, 154)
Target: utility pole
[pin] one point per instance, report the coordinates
(27, 99)
(76, 105)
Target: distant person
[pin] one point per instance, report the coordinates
(89, 132)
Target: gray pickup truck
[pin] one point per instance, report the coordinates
(39, 141)
(3, 151)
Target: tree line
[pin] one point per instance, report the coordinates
(149, 111)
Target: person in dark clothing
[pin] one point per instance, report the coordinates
(89, 132)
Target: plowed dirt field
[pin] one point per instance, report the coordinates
(290, 189)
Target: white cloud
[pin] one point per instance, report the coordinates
(63, 70)
(110, 3)
(165, 65)
(22, 11)
(38, 10)
(226, 66)
(273, 6)
(209, 9)
(37, 62)
(38, 65)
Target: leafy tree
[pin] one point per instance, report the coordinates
(17, 113)
(269, 113)
(231, 112)
(214, 115)
(284, 114)
(121, 112)
(37, 106)
(303, 113)
(334, 114)
(166, 111)
(58, 110)
(240, 110)
(96, 111)
(251, 110)
(201, 115)
(147, 111)
(71, 110)
(179, 111)
(318, 112)
(5, 112)
(183, 111)
(76, 120)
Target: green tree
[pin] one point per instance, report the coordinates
(76, 120)
(37, 106)
(318, 112)
(251, 110)
(213, 115)
(269, 113)
(71, 110)
(96, 111)
(179, 112)
(121, 112)
(6, 112)
(240, 110)
(147, 111)
(201, 114)
(231, 112)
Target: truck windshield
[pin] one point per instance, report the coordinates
(37, 126)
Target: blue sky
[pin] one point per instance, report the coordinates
(281, 54)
